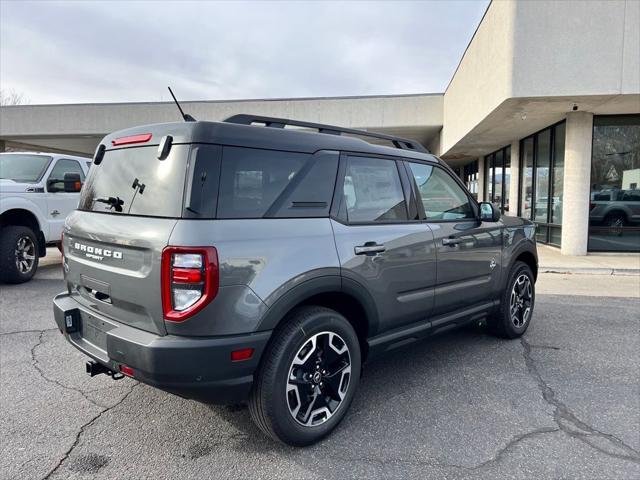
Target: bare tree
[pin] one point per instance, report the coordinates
(11, 97)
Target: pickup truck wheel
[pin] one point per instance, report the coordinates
(616, 223)
(18, 254)
(516, 306)
(308, 377)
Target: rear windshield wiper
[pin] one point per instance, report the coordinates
(113, 202)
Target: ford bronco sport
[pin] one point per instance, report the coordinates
(249, 261)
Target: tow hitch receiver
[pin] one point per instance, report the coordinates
(95, 368)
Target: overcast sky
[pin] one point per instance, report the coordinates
(67, 52)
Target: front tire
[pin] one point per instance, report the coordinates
(516, 305)
(18, 254)
(308, 377)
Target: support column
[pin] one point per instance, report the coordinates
(481, 179)
(577, 175)
(514, 179)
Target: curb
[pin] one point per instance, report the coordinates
(591, 271)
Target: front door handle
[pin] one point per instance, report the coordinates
(369, 248)
(452, 242)
(55, 213)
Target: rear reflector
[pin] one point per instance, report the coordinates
(128, 371)
(240, 355)
(141, 138)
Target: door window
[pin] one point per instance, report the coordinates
(57, 174)
(442, 197)
(372, 191)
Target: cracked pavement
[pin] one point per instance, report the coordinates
(562, 402)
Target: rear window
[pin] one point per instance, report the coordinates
(133, 181)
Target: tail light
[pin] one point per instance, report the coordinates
(190, 279)
(65, 268)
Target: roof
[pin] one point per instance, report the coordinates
(252, 136)
(47, 154)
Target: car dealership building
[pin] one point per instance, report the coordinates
(542, 117)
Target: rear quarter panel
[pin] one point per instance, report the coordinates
(260, 261)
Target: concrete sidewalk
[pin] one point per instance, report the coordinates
(551, 261)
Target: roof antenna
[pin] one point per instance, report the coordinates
(185, 116)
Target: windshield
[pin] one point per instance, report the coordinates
(132, 181)
(21, 167)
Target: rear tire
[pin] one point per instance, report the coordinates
(516, 305)
(18, 254)
(308, 377)
(616, 223)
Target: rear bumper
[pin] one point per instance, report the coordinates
(193, 367)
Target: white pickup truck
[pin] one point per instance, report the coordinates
(37, 192)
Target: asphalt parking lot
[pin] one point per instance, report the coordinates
(563, 402)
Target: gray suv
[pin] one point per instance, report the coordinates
(250, 261)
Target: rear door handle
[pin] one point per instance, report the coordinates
(369, 248)
(452, 242)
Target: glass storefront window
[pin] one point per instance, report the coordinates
(542, 177)
(543, 152)
(490, 177)
(558, 176)
(506, 178)
(614, 209)
(497, 186)
(497, 175)
(526, 183)
(470, 172)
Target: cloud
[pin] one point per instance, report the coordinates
(59, 52)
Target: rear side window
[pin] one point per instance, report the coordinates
(132, 181)
(252, 179)
(372, 191)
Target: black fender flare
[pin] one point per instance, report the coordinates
(525, 246)
(315, 286)
(42, 244)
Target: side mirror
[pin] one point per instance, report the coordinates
(72, 182)
(489, 212)
(52, 185)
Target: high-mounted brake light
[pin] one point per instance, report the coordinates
(140, 138)
(190, 280)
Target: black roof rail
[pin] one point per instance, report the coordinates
(398, 142)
